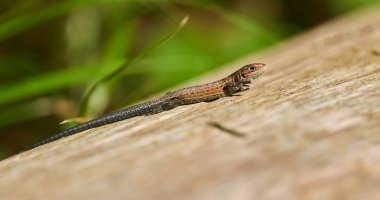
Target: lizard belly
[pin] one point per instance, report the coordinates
(201, 96)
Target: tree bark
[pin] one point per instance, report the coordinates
(309, 128)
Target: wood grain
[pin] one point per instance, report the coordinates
(308, 129)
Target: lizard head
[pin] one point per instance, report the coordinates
(251, 71)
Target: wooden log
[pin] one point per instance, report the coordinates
(309, 128)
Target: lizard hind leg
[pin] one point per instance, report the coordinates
(165, 106)
(171, 104)
(154, 111)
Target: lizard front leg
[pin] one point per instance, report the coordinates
(231, 89)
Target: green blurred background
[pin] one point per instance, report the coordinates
(53, 52)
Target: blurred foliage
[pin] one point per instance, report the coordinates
(52, 53)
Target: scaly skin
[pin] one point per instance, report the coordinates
(228, 86)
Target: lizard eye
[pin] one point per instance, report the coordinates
(253, 68)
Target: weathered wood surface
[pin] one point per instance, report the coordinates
(311, 125)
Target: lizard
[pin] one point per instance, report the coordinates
(228, 86)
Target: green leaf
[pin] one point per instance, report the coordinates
(16, 25)
(52, 81)
(123, 66)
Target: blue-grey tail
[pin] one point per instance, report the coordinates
(133, 111)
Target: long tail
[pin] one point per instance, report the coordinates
(133, 111)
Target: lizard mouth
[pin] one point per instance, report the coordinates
(254, 75)
(258, 73)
